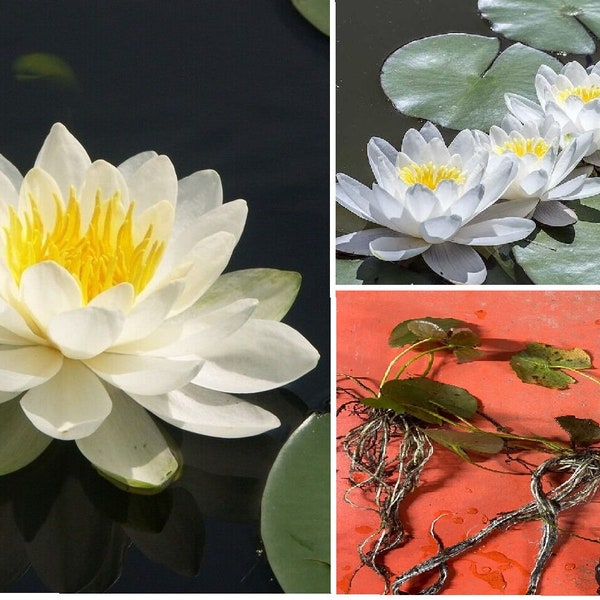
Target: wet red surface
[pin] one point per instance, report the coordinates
(462, 497)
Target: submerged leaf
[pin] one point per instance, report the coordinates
(459, 441)
(40, 65)
(564, 23)
(458, 80)
(582, 432)
(539, 364)
(412, 330)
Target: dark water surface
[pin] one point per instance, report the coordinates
(238, 86)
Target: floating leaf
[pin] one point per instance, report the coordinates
(425, 398)
(564, 22)
(567, 261)
(426, 329)
(49, 67)
(459, 441)
(315, 12)
(582, 432)
(464, 355)
(295, 522)
(458, 80)
(402, 334)
(539, 364)
(345, 272)
(463, 337)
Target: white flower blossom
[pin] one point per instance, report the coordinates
(571, 97)
(434, 200)
(113, 303)
(546, 175)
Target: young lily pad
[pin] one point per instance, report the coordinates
(540, 363)
(458, 80)
(295, 522)
(459, 441)
(345, 272)
(425, 399)
(571, 261)
(412, 330)
(315, 12)
(582, 432)
(564, 23)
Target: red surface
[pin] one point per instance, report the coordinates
(466, 495)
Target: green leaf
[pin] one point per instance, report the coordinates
(295, 521)
(428, 395)
(43, 66)
(345, 272)
(412, 330)
(563, 257)
(460, 441)
(582, 432)
(555, 25)
(539, 364)
(458, 80)
(372, 271)
(464, 355)
(315, 12)
(463, 337)
(426, 329)
(21, 443)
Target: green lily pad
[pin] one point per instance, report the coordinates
(458, 80)
(46, 67)
(540, 363)
(412, 330)
(459, 441)
(547, 259)
(345, 272)
(315, 12)
(564, 22)
(425, 399)
(581, 431)
(295, 520)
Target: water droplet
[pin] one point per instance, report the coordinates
(481, 314)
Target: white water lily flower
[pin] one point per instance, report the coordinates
(113, 303)
(436, 201)
(545, 174)
(571, 97)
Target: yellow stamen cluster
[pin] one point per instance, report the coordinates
(586, 93)
(102, 256)
(522, 146)
(429, 174)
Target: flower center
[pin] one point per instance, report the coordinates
(586, 93)
(429, 174)
(522, 146)
(105, 254)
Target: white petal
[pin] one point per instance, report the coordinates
(64, 158)
(569, 191)
(47, 289)
(533, 183)
(414, 146)
(275, 291)
(120, 297)
(14, 330)
(261, 355)
(398, 247)
(208, 412)
(523, 108)
(154, 181)
(569, 158)
(132, 164)
(458, 264)
(145, 375)
(85, 332)
(12, 174)
(26, 367)
(497, 180)
(359, 241)
(440, 229)
(71, 405)
(382, 158)
(198, 194)
(22, 443)
(354, 196)
(40, 186)
(129, 447)
(420, 202)
(555, 214)
(494, 232)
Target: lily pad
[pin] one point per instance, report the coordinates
(46, 67)
(412, 330)
(565, 22)
(540, 363)
(458, 80)
(295, 521)
(346, 272)
(581, 431)
(459, 441)
(567, 261)
(315, 12)
(425, 399)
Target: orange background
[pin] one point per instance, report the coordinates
(467, 496)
